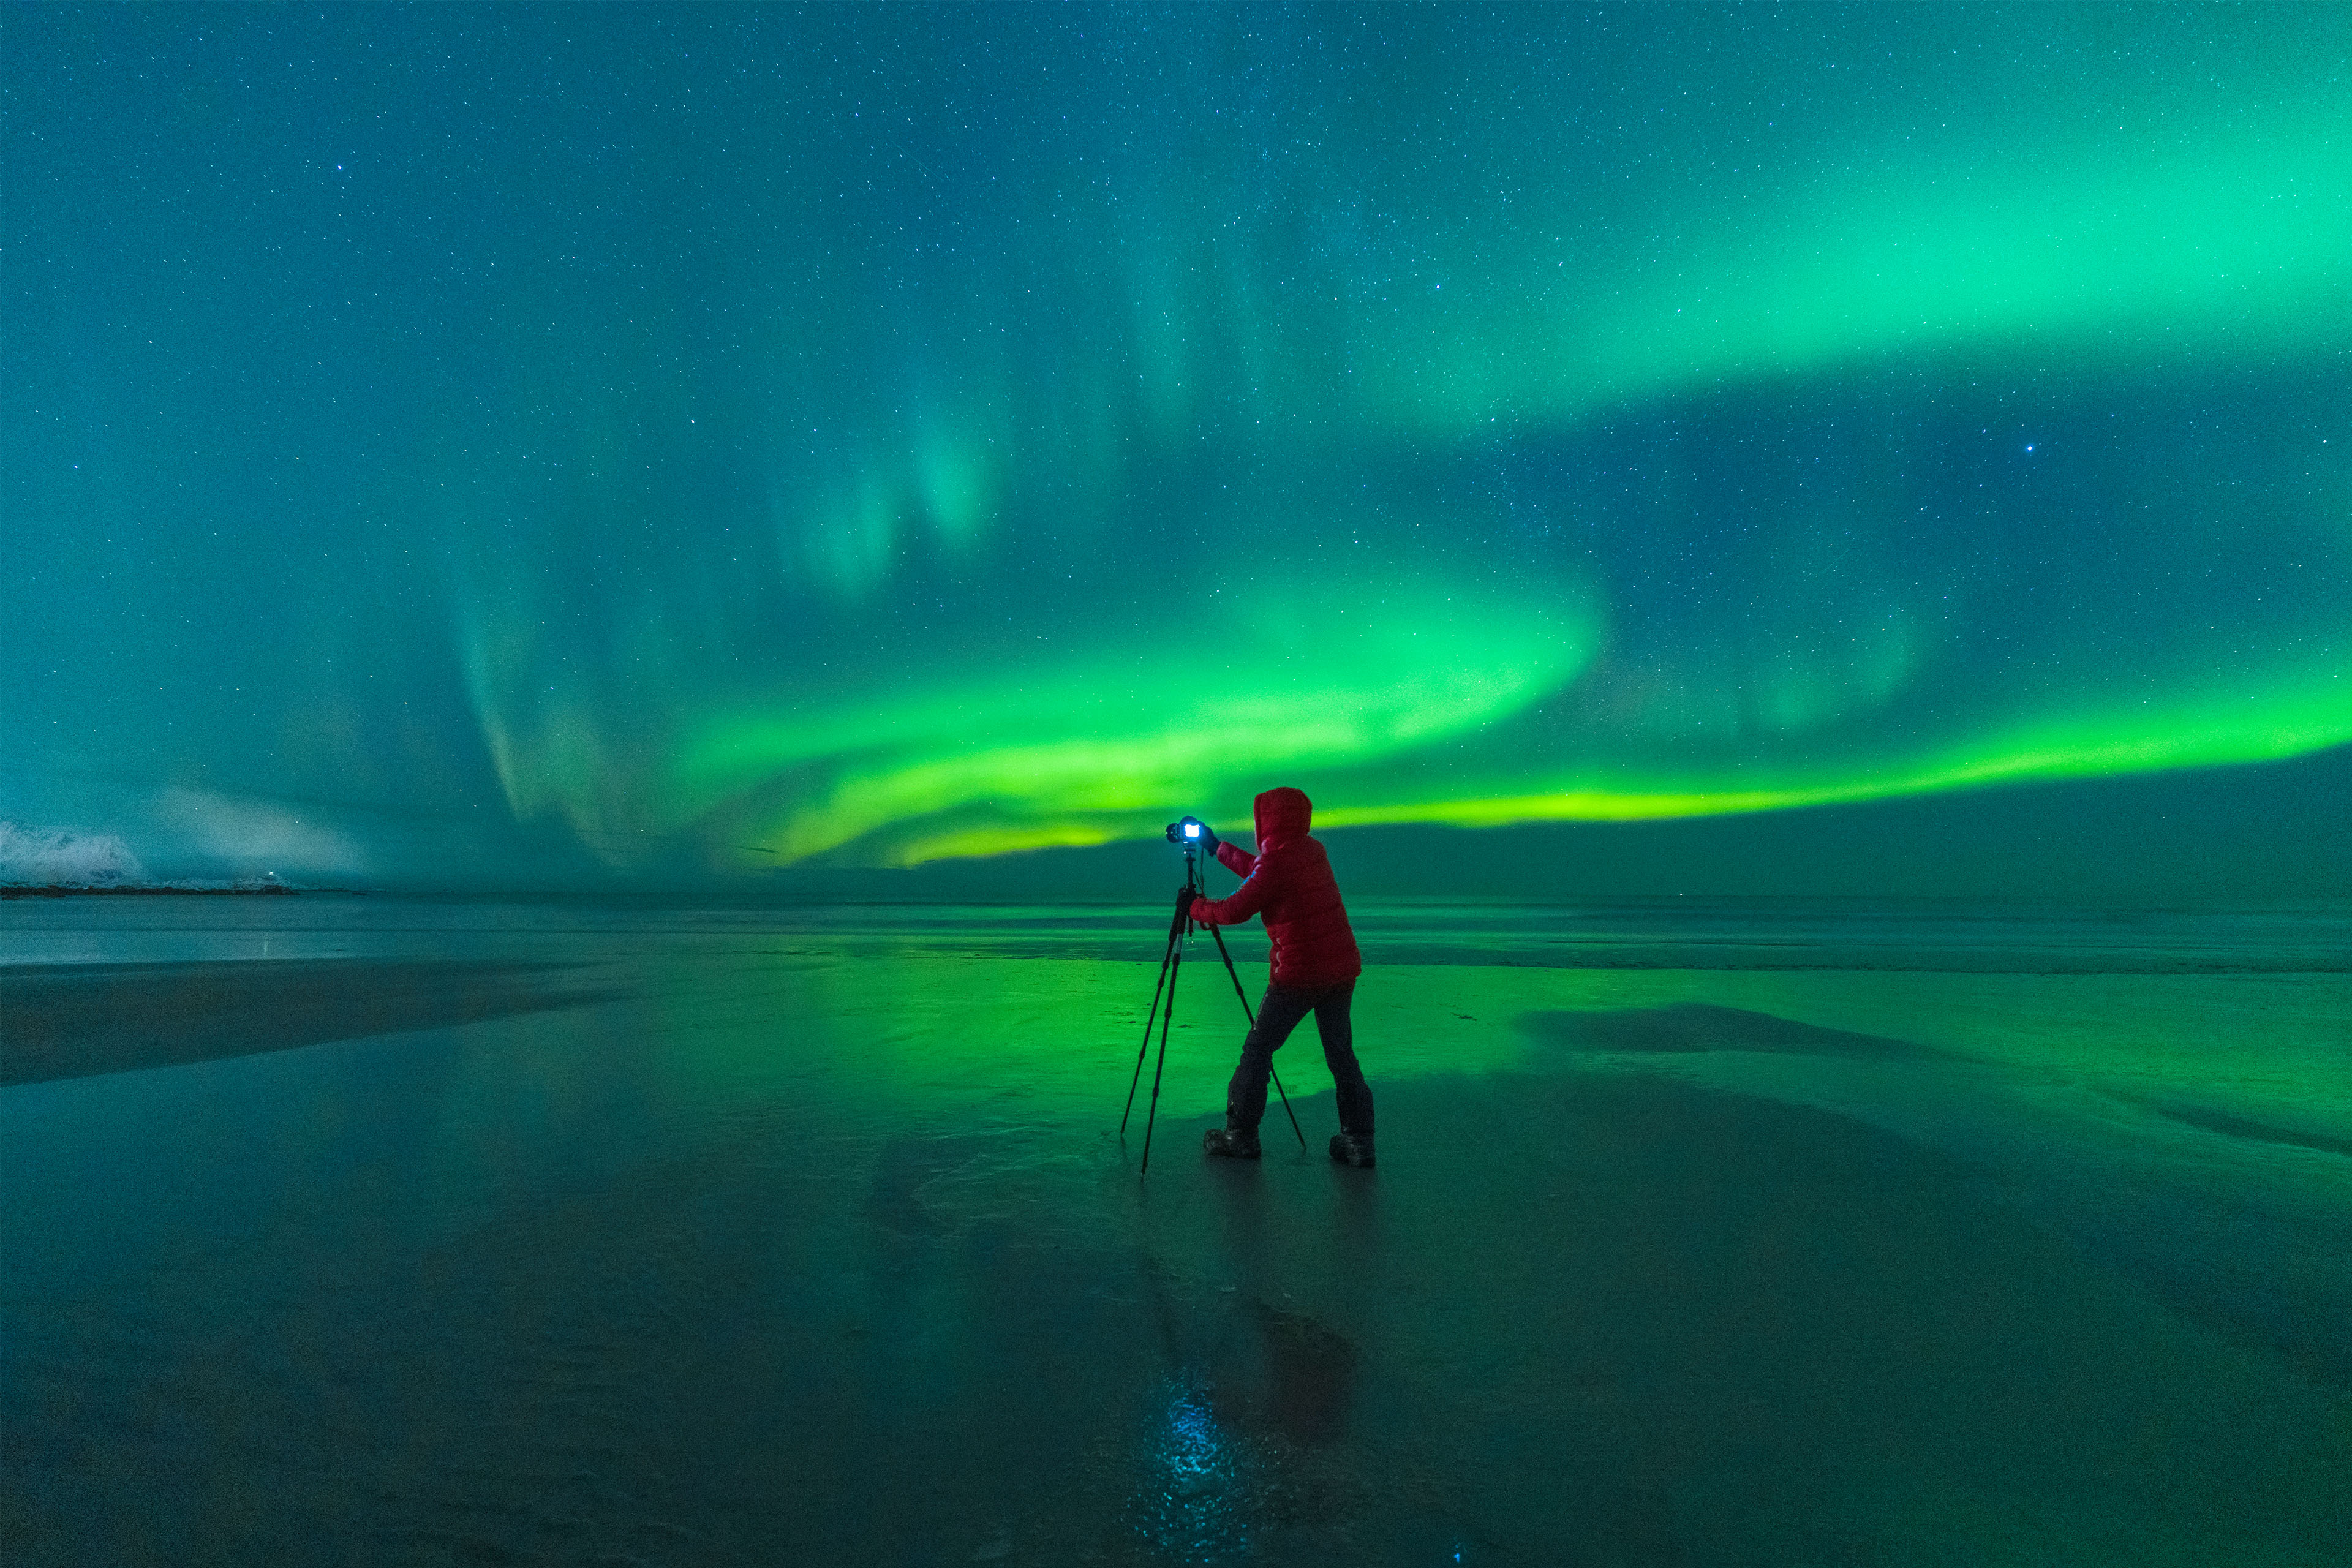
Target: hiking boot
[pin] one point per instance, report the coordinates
(1229, 1144)
(1346, 1149)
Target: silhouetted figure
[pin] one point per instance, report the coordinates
(1289, 882)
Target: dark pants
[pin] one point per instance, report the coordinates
(1279, 1013)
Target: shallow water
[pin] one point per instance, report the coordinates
(403, 1231)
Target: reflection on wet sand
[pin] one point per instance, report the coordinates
(763, 1260)
(59, 1020)
(1696, 1026)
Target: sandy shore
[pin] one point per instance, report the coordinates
(701, 1251)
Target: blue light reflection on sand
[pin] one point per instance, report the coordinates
(1195, 1508)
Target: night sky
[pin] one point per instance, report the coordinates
(489, 446)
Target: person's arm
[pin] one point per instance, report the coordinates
(1245, 901)
(1236, 858)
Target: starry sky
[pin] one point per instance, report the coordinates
(500, 444)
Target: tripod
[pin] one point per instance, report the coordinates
(1171, 965)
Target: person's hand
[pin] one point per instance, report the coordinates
(1208, 839)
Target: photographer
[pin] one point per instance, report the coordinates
(1314, 963)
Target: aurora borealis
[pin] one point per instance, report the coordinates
(733, 436)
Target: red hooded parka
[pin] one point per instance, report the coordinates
(1289, 879)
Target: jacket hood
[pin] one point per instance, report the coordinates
(1282, 816)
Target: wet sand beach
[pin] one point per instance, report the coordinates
(567, 1234)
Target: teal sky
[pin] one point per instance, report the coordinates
(507, 445)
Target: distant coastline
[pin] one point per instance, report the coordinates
(81, 890)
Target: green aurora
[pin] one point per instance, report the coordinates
(868, 437)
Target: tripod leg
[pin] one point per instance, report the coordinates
(1236, 975)
(1166, 1019)
(1286, 1103)
(1165, 954)
(1253, 1022)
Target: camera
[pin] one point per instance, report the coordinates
(1189, 830)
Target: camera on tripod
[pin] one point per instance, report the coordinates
(1191, 835)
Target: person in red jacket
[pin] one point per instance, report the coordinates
(1289, 881)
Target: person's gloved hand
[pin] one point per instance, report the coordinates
(1208, 839)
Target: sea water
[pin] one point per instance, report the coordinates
(407, 1231)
